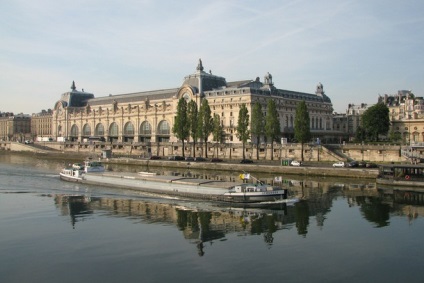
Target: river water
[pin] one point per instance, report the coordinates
(340, 231)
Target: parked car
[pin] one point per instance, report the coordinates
(362, 164)
(339, 164)
(295, 163)
(175, 157)
(371, 165)
(353, 164)
(154, 157)
(28, 142)
(189, 158)
(216, 160)
(199, 159)
(246, 161)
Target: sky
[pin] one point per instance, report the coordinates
(359, 50)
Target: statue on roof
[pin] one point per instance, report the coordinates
(200, 66)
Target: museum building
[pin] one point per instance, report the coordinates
(148, 117)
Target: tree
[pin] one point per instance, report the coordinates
(217, 130)
(302, 130)
(376, 121)
(181, 125)
(205, 124)
(257, 125)
(243, 132)
(272, 125)
(192, 114)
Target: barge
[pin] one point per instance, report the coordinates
(406, 175)
(183, 186)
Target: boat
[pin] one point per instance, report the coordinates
(401, 175)
(78, 166)
(143, 173)
(179, 186)
(255, 192)
(71, 174)
(93, 166)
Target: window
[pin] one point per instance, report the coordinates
(145, 128)
(86, 130)
(113, 129)
(129, 129)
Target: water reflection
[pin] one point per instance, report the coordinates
(202, 223)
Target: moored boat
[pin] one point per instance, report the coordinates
(93, 166)
(401, 175)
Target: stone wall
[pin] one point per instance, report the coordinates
(329, 153)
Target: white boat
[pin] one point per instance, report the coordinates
(143, 173)
(71, 174)
(255, 193)
(183, 186)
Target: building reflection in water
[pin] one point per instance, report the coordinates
(202, 223)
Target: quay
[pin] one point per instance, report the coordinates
(312, 169)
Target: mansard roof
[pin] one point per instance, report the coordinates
(75, 98)
(210, 85)
(134, 97)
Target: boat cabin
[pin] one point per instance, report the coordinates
(401, 172)
(244, 188)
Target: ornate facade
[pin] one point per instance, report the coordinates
(148, 117)
(406, 115)
(41, 124)
(15, 127)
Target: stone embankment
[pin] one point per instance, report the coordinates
(321, 169)
(262, 167)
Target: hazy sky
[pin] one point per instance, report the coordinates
(357, 49)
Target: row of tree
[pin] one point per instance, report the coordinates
(199, 124)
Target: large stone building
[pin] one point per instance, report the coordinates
(15, 127)
(346, 124)
(406, 114)
(148, 117)
(41, 124)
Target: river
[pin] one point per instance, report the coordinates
(341, 231)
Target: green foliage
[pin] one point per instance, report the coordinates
(243, 132)
(272, 123)
(181, 126)
(217, 129)
(257, 124)
(205, 124)
(193, 121)
(376, 121)
(217, 132)
(395, 136)
(302, 130)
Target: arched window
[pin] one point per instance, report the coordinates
(129, 129)
(86, 130)
(74, 131)
(163, 128)
(145, 128)
(113, 129)
(100, 130)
